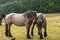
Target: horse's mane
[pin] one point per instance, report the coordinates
(30, 13)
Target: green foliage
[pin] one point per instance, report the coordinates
(5, 1)
(19, 6)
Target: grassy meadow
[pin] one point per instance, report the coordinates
(53, 30)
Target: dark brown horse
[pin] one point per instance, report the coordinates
(1, 17)
(41, 22)
(25, 18)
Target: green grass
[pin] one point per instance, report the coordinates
(53, 30)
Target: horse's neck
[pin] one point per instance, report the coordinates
(24, 14)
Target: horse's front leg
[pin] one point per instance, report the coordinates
(45, 32)
(41, 36)
(8, 30)
(28, 35)
(40, 32)
(28, 30)
(33, 28)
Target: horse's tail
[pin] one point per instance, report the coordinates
(6, 28)
(6, 24)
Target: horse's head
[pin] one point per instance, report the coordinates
(39, 22)
(40, 19)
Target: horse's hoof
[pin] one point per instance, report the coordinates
(29, 37)
(38, 33)
(32, 35)
(45, 35)
(41, 39)
(6, 34)
(10, 35)
(13, 39)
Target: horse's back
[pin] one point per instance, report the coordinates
(17, 19)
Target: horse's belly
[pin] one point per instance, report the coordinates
(19, 20)
(19, 23)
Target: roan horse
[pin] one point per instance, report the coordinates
(25, 18)
(41, 22)
(1, 17)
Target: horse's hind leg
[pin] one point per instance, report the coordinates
(45, 32)
(0, 21)
(8, 30)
